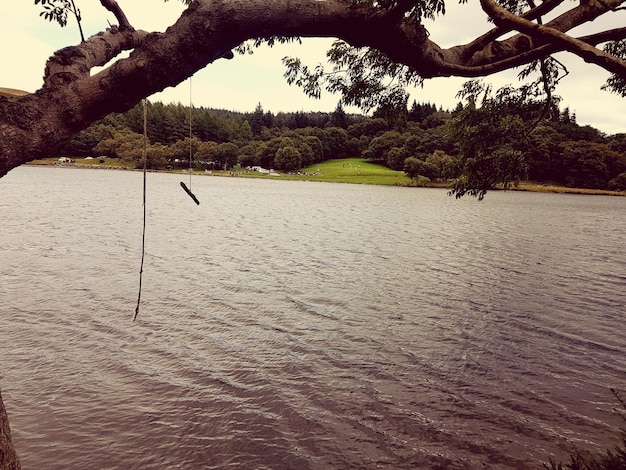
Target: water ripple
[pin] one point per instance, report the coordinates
(312, 326)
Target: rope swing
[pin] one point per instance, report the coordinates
(183, 185)
(143, 234)
(145, 172)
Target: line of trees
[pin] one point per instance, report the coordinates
(423, 140)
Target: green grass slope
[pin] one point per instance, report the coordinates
(351, 170)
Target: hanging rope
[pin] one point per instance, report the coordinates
(183, 185)
(143, 234)
(190, 133)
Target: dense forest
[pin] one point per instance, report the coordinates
(423, 140)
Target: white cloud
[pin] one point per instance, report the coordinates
(243, 82)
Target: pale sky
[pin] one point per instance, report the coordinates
(243, 82)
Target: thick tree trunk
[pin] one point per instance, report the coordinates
(8, 456)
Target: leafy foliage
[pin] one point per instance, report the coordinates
(412, 9)
(57, 10)
(615, 83)
(288, 158)
(364, 77)
(492, 140)
(618, 183)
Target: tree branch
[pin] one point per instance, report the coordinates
(75, 62)
(482, 68)
(548, 33)
(114, 8)
(497, 32)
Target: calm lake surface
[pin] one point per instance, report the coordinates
(294, 325)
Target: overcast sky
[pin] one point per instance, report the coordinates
(243, 82)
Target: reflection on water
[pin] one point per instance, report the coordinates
(291, 325)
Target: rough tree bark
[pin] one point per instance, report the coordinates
(40, 124)
(8, 457)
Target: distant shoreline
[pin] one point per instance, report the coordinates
(526, 186)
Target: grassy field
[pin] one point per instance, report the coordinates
(552, 188)
(351, 170)
(84, 162)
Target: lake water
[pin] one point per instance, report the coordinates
(294, 325)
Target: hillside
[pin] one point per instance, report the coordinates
(12, 92)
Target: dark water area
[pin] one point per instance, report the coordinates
(294, 325)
